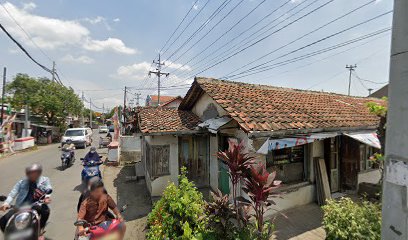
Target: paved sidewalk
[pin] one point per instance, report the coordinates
(300, 223)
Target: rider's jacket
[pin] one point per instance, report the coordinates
(20, 190)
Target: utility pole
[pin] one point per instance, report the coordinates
(82, 113)
(3, 94)
(124, 107)
(53, 71)
(137, 98)
(103, 113)
(351, 69)
(158, 73)
(395, 184)
(90, 113)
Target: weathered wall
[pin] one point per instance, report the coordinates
(157, 185)
(369, 176)
(202, 105)
(130, 143)
(173, 104)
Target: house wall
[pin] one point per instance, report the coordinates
(202, 105)
(369, 176)
(173, 104)
(156, 186)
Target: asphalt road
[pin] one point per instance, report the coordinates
(66, 184)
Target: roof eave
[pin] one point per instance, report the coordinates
(184, 132)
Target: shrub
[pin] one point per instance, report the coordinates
(178, 214)
(345, 219)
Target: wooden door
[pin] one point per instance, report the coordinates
(193, 155)
(350, 150)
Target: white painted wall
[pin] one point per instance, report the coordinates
(130, 143)
(157, 186)
(173, 104)
(369, 176)
(201, 105)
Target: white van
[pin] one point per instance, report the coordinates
(80, 137)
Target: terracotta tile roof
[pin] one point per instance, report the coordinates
(163, 99)
(161, 120)
(172, 100)
(267, 108)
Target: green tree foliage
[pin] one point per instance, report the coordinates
(344, 219)
(178, 214)
(44, 97)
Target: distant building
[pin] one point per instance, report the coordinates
(165, 101)
(382, 92)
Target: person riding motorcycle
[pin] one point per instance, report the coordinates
(69, 146)
(92, 155)
(26, 192)
(95, 206)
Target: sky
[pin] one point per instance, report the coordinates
(101, 46)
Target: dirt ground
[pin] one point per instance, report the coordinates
(125, 189)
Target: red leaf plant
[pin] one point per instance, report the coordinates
(259, 185)
(238, 163)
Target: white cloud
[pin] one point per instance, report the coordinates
(80, 59)
(29, 6)
(112, 44)
(52, 33)
(95, 20)
(116, 20)
(135, 71)
(178, 66)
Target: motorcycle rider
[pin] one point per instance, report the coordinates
(92, 155)
(95, 206)
(69, 146)
(28, 191)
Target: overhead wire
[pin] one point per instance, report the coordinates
(304, 35)
(221, 36)
(261, 67)
(265, 37)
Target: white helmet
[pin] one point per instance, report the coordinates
(35, 167)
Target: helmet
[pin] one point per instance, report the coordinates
(69, 141)
(34, 168)
(92, 149)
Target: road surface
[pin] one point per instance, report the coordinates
(66, 184)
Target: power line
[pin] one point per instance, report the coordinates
(318, 52)
(25, 32)
(185, 28)
(222, 35)
(237, 45)
(366, 80)
(177, 28)
(203, 25)
(265, 37)
(210, 30)
(24, 50)
(256, 68)
(304, 35)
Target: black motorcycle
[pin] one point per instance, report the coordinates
(25, 223)
(67, 158)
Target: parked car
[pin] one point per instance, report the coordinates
(103, 129)
(80, 137)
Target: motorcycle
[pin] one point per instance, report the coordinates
(25, 223)
(91, 169)
(106, 230)
(67, 158)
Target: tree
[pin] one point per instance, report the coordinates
(45, 98)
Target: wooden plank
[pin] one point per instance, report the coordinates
(325, 180)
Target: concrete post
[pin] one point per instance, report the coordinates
(395, 193)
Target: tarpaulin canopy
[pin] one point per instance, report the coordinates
(275, 144)
(369, 138)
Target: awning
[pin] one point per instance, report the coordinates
(275, 144)
(369, 138)
(214, 124)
